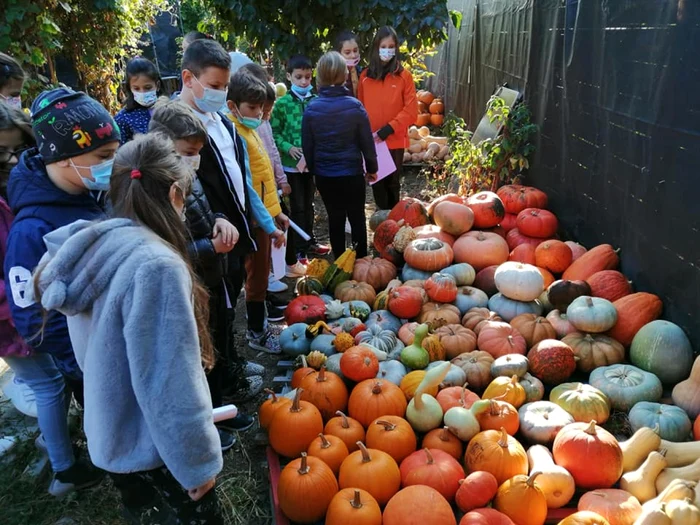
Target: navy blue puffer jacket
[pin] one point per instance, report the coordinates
(336, 135)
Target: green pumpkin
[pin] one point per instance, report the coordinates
(308, 286)
(626, 385)
(415, 356)
(663, 349)
(591, 314)
(672, 421)
(463, 273)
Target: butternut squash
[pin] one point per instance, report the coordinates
(680, 454)
(683, 512)
(440, 140)
(416, 147)
(677, 489)
(655, 515)
(640, 482)
(638, 447)
(555, 481)
(444, 151)
(689, 473)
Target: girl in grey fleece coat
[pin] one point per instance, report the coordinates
(138, 323)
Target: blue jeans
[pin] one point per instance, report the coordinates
(39, 372)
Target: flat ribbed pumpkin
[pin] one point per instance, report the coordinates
(602, 257)
(633, 312)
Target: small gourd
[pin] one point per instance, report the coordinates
(689, 473)
(424, 412)
(414, 356)
(683, 512)
(640, 482)
(638, 447)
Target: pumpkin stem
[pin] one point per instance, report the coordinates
(356, 503)
(344, 419)
(366, 458)
(321, 377)
(296, 407)
(324, 442)
(304, 467)
(272, 394)
(445, 434)
(510, 340)
(377, 388)
(663, 452)
(387, 425)
(591, 428)
(531, 480)
(503, 440)
(656, 430)
(430, 456)
(514, 379)
(495, 409)
(589, 302)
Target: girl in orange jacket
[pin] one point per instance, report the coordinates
(389, 95)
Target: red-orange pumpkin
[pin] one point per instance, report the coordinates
(476, 490)
(499, 338)
(437, 120)
(633, 312)
(535, 222)
(547, 276)
(429, 255)
(305, 309)
(484, 280)
(523, 253)
(553, 255)
(453, 218)
(405, 302)
(515, 238)
(488, 209)
(493, 414)
(373, 271)
(391, 254)
(443, 439)
(516, 198)
(411, 210)
(456, 396)
(430, 230)
(359, 363)
(508, 222)
(441, 287)
(423, 119)
(426, 97)
(602, 257)
(609, 284)
(433, 468)
(384, 234)
(485, 516)
(373, 398)
(481, 249)
(437, 107)
(452, 197)
(418, 504)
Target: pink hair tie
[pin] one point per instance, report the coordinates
(135, 174)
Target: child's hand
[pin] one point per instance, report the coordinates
(370, 177)
(376, 138)
(295, 153)
(227, 230)
(220, 246)
(286, 188)
(282, 222)
(199, 492)
(277, 238)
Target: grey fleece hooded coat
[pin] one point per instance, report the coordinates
(128, 300)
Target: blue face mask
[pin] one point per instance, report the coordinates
(301, 91)
(212, 99)
(101, 174)
(249, 122)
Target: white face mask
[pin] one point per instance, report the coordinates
(192, 161)
(387, 53)
(145, 98)
(352, 62)
(13, 102)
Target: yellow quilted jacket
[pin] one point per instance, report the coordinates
(261, 169)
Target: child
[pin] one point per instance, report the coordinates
(11, 81)
(346, 45)
(334, 152)
(138, 317)
(286, 126)
(265, 133)
(142, 88)
(223, 169)
(49, 188)
(389, 95)
(192, 36)
(246, 97)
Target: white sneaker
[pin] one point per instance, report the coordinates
(275, 286)
(22, 397)
(347, 226)
(296, 270)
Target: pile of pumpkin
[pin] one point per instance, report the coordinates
(500, 371)
(431, 110)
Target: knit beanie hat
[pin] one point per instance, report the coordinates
(69, 123)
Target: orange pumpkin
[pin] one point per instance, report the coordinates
(553, 255)
(409, 383)
(456, 339)
(411, 211)
(481, 249)
(456, 396)
(423, 119)
(359, 363)
(353, 507)
(430, 230)
(326, 391)
(374, 271)
(301, 372)
(433, 468)
(534, 222)
(533, 328)
(441, 287)
(496, 452)
(305, 489)
(584, 517)
(437, 120)
(373, 398)
(293, 428)
(493, 414)
(439, 314)
(547, 276)
(426, 97)
(499, 338)
(521, 500)
(329, 449)
(609, 284)
(393, 435)
(615, 505)
(428, 255)
(516, 198)
(355, 291)
(418, 504)
(523, 253)
(405, 302)
(488, 209)
(602, 257)
(270, 406)
(633, 312)
(371, 470)
(346, 428)
(423, 107)
(437, 107)
(443, 439)
(453, 218)
(485, 516)
(477, 318)
(476, 490)
(515, 238)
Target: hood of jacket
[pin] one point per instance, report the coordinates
(82, 259)
(30, 187)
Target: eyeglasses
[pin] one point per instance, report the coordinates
(6, 155)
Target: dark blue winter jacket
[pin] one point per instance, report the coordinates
(40, 207)
(335, 135)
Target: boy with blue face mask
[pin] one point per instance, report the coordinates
(50, 187)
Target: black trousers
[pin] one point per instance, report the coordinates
(344, 197)
(301, 201)
(387, 192)
(154, 497)
(290, 256)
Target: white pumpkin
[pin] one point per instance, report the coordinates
(541, 421)
(518, 281)
(509, 365)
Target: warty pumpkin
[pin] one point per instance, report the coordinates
(602, 257)
(418, 504)
(551, 361)
(353, 507)
(609, 284)
(496, 452)
(371, 470)
(521, 500)
(305, 489)
(329, 449)
(346, 428)
(294, 427)
(373, 398)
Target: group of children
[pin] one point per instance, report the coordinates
(126, 243)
